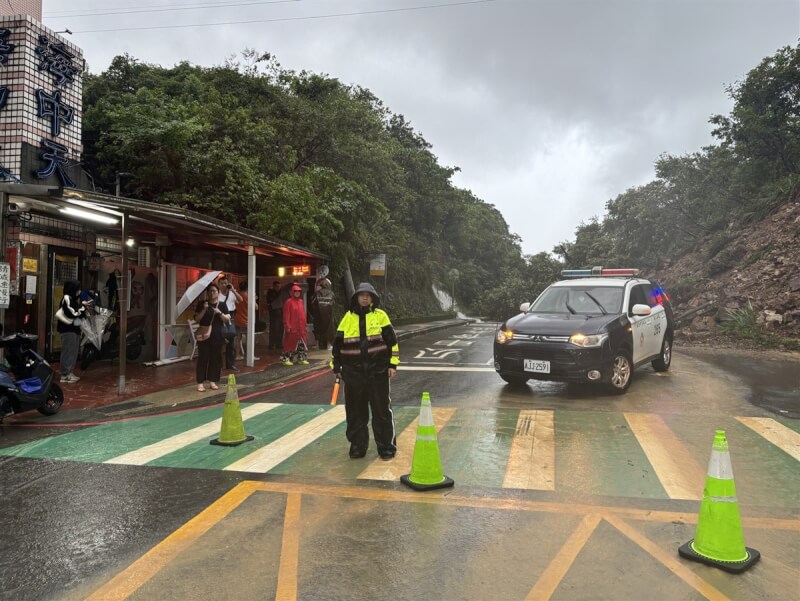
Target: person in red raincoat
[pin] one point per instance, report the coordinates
(295, 342)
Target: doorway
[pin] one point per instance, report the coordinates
(62, 264)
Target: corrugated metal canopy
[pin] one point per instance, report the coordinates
(148, 220)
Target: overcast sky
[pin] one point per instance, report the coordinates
(549, 108)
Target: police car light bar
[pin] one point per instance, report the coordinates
(598, 272)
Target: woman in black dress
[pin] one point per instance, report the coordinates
(209, 352)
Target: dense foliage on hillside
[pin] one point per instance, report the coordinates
(327, 165)
(715, 192)
(305, 158)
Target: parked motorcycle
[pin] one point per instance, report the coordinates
(101, 338)
(28, 382)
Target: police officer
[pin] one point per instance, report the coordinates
(365, 352)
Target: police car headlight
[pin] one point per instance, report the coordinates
(585, 341)
(503, 336)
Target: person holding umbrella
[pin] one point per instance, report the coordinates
(210, 312)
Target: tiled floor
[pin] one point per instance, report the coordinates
(99, 385)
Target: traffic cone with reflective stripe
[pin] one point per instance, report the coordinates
(718, 540)
(426, 466)
(232, 430)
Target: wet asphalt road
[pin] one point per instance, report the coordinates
(71, 526)
(771, 381)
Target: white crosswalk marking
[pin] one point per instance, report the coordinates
(406, 440)
(444, 368)
(782, 437)
(679, 474)
(532, 459)
(173, 443)
(265, 458)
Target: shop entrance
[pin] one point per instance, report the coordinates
(62, 264)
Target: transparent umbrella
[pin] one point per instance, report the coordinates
(195, 290)
(93, 325)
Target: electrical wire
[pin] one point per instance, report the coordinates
(168, 8)
(285, 19)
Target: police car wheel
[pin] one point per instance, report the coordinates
(663, 361)
(621, 373)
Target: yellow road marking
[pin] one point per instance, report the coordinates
(669, 560)
(448, 499)
(782, 437)
(143, 569)
(679, 473)
(290, 550)
(401, 464)
(532, 459)
(124, 584)
(265, 458)
(550, 579)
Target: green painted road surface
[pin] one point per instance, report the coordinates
(596, 453)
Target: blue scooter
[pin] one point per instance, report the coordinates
(28, 382)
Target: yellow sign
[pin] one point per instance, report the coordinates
(29, 264)
(301, 270)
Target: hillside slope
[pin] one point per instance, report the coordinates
(759, 267)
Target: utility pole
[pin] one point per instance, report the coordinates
(119, 176)
(453, 273)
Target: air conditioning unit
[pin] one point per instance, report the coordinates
(145, 256)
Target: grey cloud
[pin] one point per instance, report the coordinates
(550, 107)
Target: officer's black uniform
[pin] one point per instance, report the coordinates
(364, 349)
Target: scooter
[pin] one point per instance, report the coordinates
(28, 382)
(101, 338)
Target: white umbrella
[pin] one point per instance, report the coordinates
(195, 290)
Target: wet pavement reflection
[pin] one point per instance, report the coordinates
(773, 381)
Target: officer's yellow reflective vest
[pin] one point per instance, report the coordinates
(374, 350)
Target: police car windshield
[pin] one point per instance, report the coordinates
(583, 300)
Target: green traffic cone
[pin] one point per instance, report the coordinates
(426, 466)
(718, 540)
(232, 430)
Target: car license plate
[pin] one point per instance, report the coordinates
(541, 367)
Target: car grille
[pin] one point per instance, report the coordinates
(539, 338)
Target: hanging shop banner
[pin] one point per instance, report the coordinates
(5, 277)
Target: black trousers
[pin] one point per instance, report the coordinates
(230, 352)
(362, 395)
(276, 328)
(209, 361)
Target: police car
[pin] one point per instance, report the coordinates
(595, 326)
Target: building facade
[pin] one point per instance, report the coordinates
(140, 257)
(22, 7)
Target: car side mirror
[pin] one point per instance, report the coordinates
(641, 310)
(524, 307)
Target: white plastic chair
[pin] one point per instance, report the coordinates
(193, 325)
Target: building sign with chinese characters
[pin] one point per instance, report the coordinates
(5, 285)
(41, 88)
